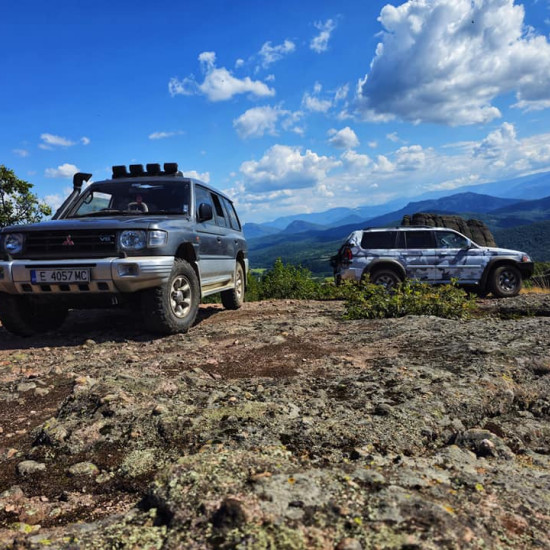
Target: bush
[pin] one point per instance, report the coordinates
(370, 301)
(287, 282)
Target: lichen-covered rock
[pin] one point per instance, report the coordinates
(283, 426)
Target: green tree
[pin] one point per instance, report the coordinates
(17, 203)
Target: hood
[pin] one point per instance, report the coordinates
(495, 251)
(95, 223)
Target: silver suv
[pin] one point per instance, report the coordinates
(435, 255)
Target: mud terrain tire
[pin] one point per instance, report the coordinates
(24, 316)
(505, 281)
(234, 298)
(386, 278)
(172, 308)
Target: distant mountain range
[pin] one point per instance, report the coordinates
(534, 186)
(523, 204)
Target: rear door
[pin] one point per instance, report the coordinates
(419, 254)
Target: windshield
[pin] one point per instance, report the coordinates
(127, 198)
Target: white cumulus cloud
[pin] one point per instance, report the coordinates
(286, 167)
(258, 121)
(270, 54)
(344, 138)
(49, 141)
(202, 176)
(445, 61)
(219, 84)
(63, 171)
(319, 43)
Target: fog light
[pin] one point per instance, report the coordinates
(128, 270)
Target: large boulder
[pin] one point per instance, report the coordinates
(473, 229)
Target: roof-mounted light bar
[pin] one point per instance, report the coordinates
(153, 169)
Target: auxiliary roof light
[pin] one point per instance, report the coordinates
(153, 169)
(170, 167)
(137, 170)
(120, 172)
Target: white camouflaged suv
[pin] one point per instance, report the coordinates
(435, 255)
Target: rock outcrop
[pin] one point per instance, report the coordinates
(473, 229)
(279, 425)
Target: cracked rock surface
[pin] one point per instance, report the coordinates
(280, 426)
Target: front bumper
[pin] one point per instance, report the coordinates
(107, 275)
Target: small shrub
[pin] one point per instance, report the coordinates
(370, 301)
(287, 282)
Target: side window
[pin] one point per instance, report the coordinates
(233, 218)
(420, 239)
(450, 239)
(218, 211)
(378, 239)
(203, 195)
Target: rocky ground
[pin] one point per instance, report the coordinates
(280, 426)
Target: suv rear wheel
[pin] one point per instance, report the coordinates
(234, 298)
(505, 281)
(172, 308)
(386, 278)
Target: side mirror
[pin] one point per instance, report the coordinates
(205, 212)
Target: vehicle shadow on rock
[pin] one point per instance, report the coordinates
(99, 325)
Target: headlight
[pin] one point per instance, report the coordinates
(13, 242)
(133, 239)
(157, 238)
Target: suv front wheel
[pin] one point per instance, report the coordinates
(506, 281)
(172, 308)
(25, 316)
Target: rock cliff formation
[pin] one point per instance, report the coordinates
(473, 229)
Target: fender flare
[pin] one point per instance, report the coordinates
(386, 263)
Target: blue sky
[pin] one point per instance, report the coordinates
(286, 106)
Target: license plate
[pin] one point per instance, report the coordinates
(40, 276)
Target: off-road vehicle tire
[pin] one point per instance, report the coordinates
(25, 316)
(172, 307)
(234, 298)
(387, 278)
(505, 281)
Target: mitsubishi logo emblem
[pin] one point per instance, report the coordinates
(68, 241)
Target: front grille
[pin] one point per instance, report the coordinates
(70, 244)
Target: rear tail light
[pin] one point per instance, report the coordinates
(347, 254)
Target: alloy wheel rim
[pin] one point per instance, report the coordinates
(180, 297)
(508, 281)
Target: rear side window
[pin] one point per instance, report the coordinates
(378, 239)
(420, 239)
(233, 218)
(220, 215)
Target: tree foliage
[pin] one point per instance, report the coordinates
(17, 202)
